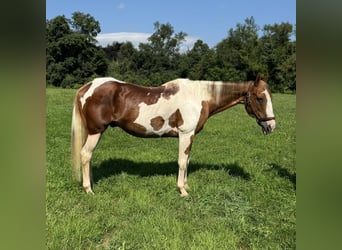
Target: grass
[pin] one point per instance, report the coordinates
(242, 186)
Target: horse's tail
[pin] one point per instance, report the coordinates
(78, 135)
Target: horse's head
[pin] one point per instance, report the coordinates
(258, 104)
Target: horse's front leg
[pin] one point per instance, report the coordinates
(86, 154)
(186, 186)
(185, 143)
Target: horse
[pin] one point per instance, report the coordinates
(178, 108)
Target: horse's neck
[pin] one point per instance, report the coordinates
(226, 94)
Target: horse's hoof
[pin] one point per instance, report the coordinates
(183, 193)
(88, 190)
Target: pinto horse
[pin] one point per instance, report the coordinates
(178, 108)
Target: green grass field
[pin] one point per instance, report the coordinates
(242, 186)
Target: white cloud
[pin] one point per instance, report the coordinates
(188, 43)
(135, 38)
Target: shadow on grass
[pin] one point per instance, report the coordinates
(284, 173)
(145, 169)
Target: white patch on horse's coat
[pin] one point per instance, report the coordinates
(201, 89)
(218, 90)
(148, 112)
(96, 83)
(190, 111)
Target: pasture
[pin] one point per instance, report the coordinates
(242, 185)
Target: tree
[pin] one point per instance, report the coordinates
(238, 53)
(112, 51)
(72, 56)
(164, 41)
(85, 24)
(278, 53)
(57, 28)
(197, 62)
(158, 59)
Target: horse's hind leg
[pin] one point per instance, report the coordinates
(86, 154)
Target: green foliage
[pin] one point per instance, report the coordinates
(159, 58)
(240, 52)
(195, 64)
(278, 53)
(85, 24)
(154, 63)
(239, 57)
(242, 186)
(72, 56)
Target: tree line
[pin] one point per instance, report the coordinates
(73, 56)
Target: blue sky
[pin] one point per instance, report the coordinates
(132, 20)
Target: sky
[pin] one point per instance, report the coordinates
(208, 20)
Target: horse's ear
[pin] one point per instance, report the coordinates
(257, 80)
(266, 78)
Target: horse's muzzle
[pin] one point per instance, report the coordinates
(267, 126)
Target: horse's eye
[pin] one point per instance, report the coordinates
(260, 100)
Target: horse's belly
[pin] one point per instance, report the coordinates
(155, 127)
(146, 130)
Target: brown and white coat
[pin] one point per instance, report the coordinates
(178, 108)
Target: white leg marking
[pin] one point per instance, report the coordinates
(86, 154)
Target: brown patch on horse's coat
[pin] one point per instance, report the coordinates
(172, 89)
(135, 129)
(147, 95)
(98, 108)
(203, 116)
(176, 119)
(84, 111)
(116, 103)
(188, 149)
(157, 123)
(106, 106)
